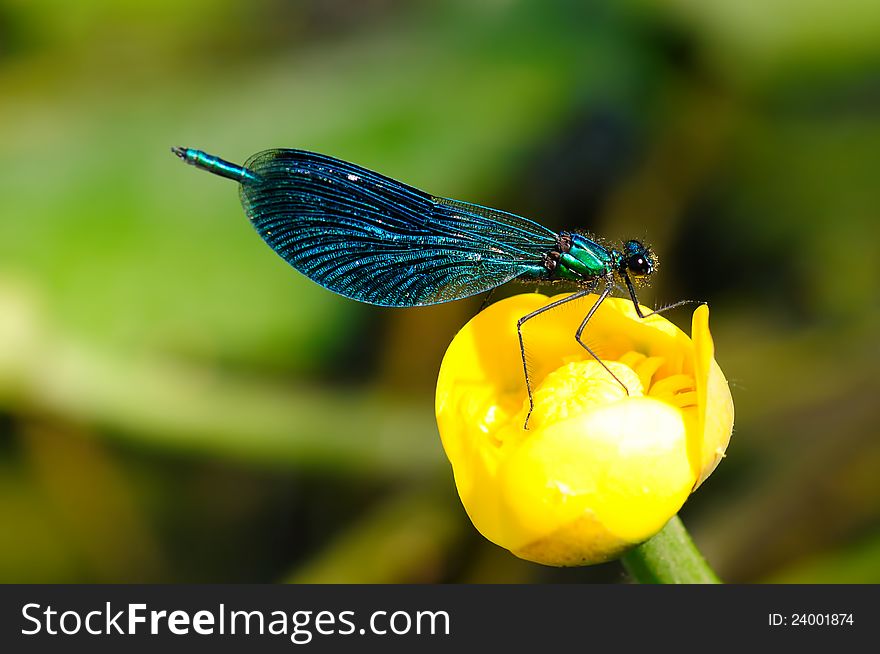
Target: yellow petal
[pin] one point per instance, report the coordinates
(714, 400)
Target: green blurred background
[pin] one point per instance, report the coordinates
(178, 405)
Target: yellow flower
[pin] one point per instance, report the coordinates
(598, 470)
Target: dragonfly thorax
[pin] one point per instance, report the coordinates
(578, 258)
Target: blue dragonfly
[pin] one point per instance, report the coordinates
(373, 239)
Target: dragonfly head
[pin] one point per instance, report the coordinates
(636, 261)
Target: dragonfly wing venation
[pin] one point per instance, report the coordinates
(376, 240)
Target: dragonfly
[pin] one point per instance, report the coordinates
(374, 239)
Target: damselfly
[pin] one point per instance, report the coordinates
(374, 239)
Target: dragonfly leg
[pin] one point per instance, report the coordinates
(522, 347)
(666, 308)
(580, 331)
(635, 301)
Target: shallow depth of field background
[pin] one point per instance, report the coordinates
(178, 405)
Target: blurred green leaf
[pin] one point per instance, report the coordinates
(187, 408)
(406, 539)
(858, 563)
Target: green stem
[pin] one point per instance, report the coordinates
(670, 557)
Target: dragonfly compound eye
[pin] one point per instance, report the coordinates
(640, 265)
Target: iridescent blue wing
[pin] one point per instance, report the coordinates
(373, 239)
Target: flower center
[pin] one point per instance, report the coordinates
(678, 389)
(581, 386)
(584, 385)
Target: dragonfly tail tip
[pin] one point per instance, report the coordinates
(179, 151)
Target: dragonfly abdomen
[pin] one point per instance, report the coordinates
(215, 165)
